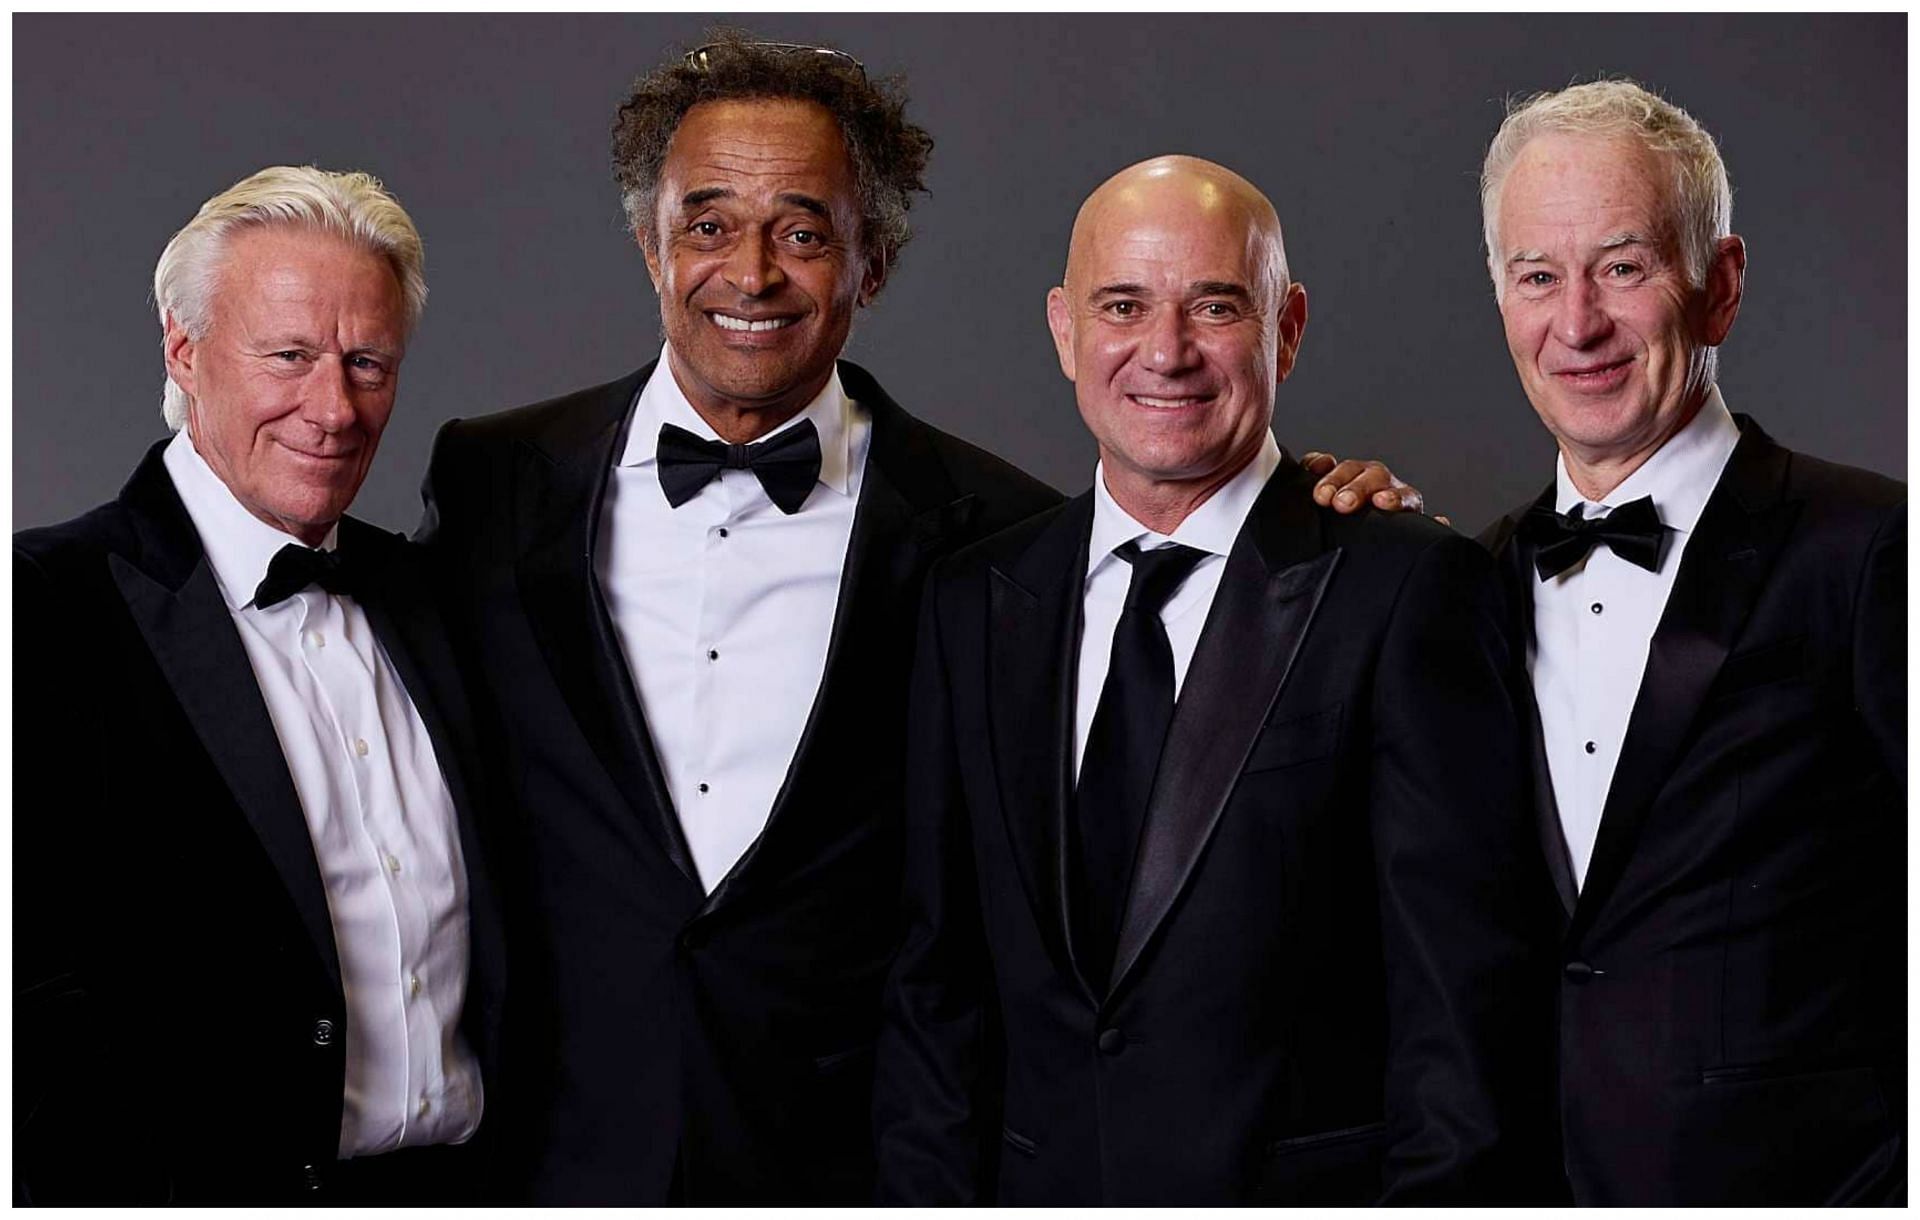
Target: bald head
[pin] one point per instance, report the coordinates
(1176, 324)
(1178, 192)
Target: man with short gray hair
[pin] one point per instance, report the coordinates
(1716, 652)
(258, 959)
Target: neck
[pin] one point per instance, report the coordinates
(1595, 473)
(1161, 505)
(741, 423)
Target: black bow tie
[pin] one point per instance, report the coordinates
(294, 567)
(1632, 531)
(787, 465)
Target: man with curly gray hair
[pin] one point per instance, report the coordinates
(1714, 633)
(267, 970)
(692, 593)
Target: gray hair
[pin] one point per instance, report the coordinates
(1701, 197)
(352, 206)
(887, 151)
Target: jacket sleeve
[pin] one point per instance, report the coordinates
(1880, 642)
(1466, 903)
(932, 1099)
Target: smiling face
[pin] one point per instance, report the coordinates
(756, 256)
(293, 381)
(1609, 335)
(1173, 329)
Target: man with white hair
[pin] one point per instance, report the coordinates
(1716, 650)
(272, 974)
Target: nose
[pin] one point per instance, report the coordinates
(752, 268)
(329, 401)
(1169, 346)
(1580, 319)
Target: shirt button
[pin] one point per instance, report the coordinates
(703, 787)
(360, 746)
(1596, 607)
(316, 640)
(393, 863)
(722, 531)
(425, 1105)
(414, 983)
(1591, 747)
(713, 654)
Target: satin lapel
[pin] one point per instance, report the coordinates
(1275, 577)
(1733, 547)
(1033, 645)
(407, 624)
(888, 552)
(559, 490)
(176, 603)
(1514, 559)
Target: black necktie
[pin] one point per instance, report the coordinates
(787, 465)
(294, 567)
(1632, 531)
(1123, 750)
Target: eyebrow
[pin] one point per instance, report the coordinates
(1199, 288)
(806, 203)
(1612, 241)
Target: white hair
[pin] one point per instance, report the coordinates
(352, 206)
(1701, 198)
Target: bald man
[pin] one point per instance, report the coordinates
(1153, 958)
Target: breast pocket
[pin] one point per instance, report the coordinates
(1296, 740)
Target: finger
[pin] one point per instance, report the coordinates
(1317, 462)
(1444, 520)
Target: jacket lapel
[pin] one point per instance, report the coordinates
(908, 512)
(1275, 577)
(172, 595)
(1034, 607)
(1514, 561)
(1733, 547)
(559, 486)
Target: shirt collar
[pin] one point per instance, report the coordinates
(1680, 475)
(1212, 527)
(661, 401)
(239, 545)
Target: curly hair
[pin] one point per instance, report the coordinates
(889, 154)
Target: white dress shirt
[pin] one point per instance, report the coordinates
(1593, 624)
(1211, 528)
(382, 825)
(724, 607)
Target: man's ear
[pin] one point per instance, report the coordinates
(180, 350)
(650, 252)
(1726, 284)
(1293, 324)
(873, 277)
(1060, 322)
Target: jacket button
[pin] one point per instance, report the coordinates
(1111, 1042)
(323, 1032)
(1579, 972)
(310, 1177)
(694, 939)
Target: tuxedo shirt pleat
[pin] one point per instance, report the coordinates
(1594, 622)
(724, 609)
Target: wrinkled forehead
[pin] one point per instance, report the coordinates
(1175, 237)
(1566, 179)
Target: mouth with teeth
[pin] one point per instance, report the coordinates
(1159, 402)
(748, 325)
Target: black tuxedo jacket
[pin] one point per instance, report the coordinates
(1732, 1016)
(1327, 963)
(678, 1044)
(181, 1032)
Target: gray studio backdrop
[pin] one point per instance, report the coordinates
(1367, 131)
